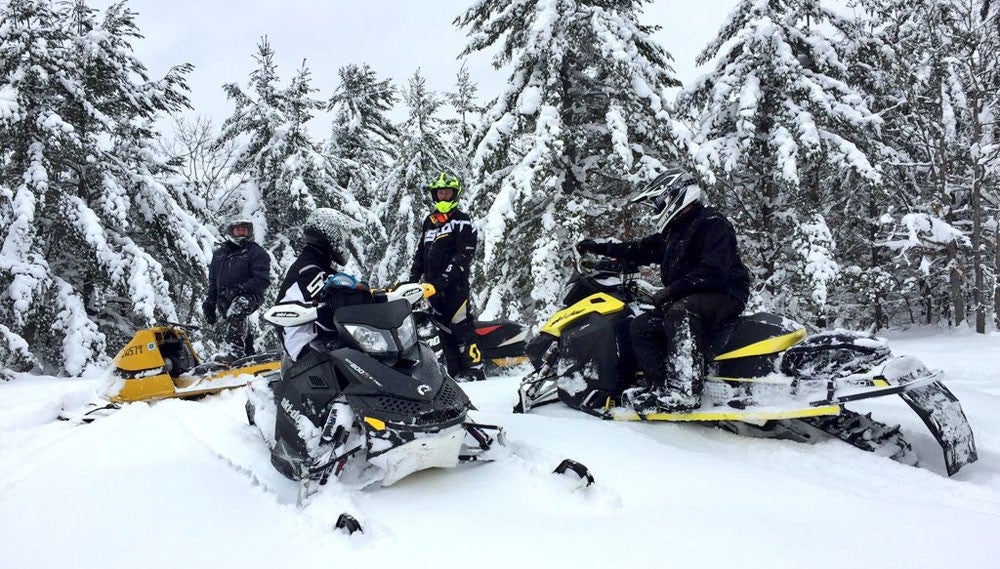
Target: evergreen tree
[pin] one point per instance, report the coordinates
(285, 176)
(584, 115)
(938, 61)
(424, 148)
(784, 133)
(463, 100)
(362, 136)
(90, 230)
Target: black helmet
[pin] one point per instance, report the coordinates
(322, 231)
(239, 232)
(668, 194)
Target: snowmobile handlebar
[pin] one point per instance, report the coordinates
(593, 264)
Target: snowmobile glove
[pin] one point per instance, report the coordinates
(590, 246)
(663, 297)
(209, 310)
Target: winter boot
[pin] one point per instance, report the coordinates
(658, 400)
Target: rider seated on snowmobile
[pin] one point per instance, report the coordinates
(444, 253)
(307, 282)
(238, 276)
(705, 283)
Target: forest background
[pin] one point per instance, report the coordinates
(853, 146)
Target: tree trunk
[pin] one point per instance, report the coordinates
(955, 284)
(996, 275)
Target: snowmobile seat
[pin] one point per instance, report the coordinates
(746, 345)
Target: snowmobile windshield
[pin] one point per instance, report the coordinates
(384, 330)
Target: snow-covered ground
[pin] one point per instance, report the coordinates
(188, 484)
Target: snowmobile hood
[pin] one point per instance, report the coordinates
(374, 377)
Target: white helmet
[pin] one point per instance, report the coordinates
(239, 231)
(668, 194)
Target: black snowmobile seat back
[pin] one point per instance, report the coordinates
(177, 357)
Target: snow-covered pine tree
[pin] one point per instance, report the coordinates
(285, 176)
(424, 148)
(362, 137)
(941, 60)
(584, 116)
(90, 230)
(467, 110)
(781, 130)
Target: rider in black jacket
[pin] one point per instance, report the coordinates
(444, 254)
(705, 283)
(307, 281)
(237, 280)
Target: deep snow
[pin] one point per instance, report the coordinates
(188, 484)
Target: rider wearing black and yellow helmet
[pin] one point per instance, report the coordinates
(443, 258)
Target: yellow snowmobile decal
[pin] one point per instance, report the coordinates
(598, 303)
(765, 347)
(758, 416)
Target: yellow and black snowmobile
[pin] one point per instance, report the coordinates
(765, 378)
(161, 363)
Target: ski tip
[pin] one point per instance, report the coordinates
(586, 478)
(348, 523)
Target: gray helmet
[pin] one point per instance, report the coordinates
(322, 231)
(668, 194)
(239, 231)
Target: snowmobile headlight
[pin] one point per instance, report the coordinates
(407, 333)
(371, 340)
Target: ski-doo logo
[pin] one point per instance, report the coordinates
(361, 371)
(292, 412)
(423, 389)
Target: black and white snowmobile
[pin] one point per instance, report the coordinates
(766, 377)
(500, 344)
(370, 405)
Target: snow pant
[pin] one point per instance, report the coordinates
(238, 338)
(458, 332)
(670, 342)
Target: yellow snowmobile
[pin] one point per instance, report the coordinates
(160, 363)
(765, 377)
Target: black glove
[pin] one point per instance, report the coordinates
(587, 246)
(209, 309)
(663, 297)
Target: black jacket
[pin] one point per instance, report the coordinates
(696, 253)
(444, 254)
(304, 283)
(247, 268)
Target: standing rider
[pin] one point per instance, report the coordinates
(705, 283)
(238, 276)
(444, 253)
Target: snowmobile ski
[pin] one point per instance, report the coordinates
(347, 523)
(942, 414)
(586, 478)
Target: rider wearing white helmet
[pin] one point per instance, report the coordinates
(704, 280)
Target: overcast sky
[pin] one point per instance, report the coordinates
(395, 37)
